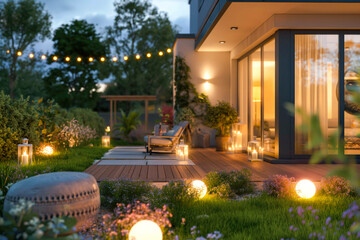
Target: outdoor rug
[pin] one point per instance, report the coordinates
(137, 156)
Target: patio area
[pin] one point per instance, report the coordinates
(205, 160)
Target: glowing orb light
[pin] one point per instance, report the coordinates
(47, 150)
(200, 187)
(305, 188)
(145, 230)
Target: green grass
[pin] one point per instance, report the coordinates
(259, 218)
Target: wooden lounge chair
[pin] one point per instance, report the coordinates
(168, 141)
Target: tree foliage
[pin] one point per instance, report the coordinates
(22, 23)
(140, 28)
(73, 83)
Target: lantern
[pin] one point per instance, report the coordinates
(305, 188)
(199, 187)
(182, 151)
(25, 152)
(105, 140)
(255, 151)
(145, 230)
(235, 144)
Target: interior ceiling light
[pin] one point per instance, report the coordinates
(234, 28)
(221, 42)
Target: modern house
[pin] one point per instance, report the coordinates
(261, 54)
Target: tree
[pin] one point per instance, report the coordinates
(22, 23)
(72, 83)
(138, 29)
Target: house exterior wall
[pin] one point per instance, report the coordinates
(210, 71)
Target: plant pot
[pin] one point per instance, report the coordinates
(221, 142)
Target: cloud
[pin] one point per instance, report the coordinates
(182, 24)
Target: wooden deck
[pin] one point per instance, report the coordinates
(207, 160)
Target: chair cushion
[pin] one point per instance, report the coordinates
(159, 141)
(174, 132)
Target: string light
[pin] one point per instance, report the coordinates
(19, 53)
(148, 55)
(102, 59)
(67, 59)
(79, 59)
(43, 57)
(137, 56)
(91, 59)
(126, 58)
(161, 53)
(55, 58)
(168, 50)
(114, 59)
(31, 55)
(7, 51)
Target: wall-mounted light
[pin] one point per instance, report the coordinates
(206, 85)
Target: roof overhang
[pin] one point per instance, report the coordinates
(249, 16)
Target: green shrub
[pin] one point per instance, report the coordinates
(17, 121)
(128, 123)
(229, 184)
(87, 117)
(185, 114)
(336, 186)
(124, 191)
(221, 117)
(279, 186)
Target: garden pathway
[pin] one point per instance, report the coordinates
(206, 160)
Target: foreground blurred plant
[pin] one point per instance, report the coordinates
(336, 186)
(21, 223)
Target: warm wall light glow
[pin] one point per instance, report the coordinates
(161, 53)
(137, 56)
(102, 59)
(55, 58)
(305, 188)
(145, 230)
(114, 59)
(31, 55)
(43, 57)
(148, 55)
(79, 59)
(168, 50)
(47, 150)
(19, 53)
(91, 59)
(207, 76)
(206, 85)
(67, 59)
(200, 187)
(126, 58)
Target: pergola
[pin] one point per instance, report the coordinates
(114, 98)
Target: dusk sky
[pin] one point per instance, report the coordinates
(101, 13)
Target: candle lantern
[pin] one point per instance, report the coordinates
(254, 150)
(235, 144)
(182, 151)
(105, 140)
(25, 152)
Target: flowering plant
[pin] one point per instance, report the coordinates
(22, 223)
(337, 186)
(73, 134)
(279, 186)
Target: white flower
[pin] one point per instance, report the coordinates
(38, 234)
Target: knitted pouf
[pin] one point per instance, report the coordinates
(57, 194)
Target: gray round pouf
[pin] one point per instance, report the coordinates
(57, 194)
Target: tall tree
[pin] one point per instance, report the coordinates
(140, 28)
(73, 83)
(22, 23)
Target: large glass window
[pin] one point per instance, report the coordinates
(316, 82)
(351, 81)
(243, 97)
(269, 97)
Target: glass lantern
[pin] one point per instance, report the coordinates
(105, 140)
(182, 151)
(236, 138)
(255, 151)
(25, 152)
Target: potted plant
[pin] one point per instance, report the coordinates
(221, 117)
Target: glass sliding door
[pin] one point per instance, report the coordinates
(255, 96)
(269, 97)
(351, 82)
(243, 78)
(316, 83)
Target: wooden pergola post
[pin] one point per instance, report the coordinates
(114, 98)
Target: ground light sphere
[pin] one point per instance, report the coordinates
(200, 187)
(145, 230)
(305, 188)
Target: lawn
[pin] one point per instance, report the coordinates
(262, 217)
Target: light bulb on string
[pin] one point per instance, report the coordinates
(126, 58)
(91, 59)
(161, 53)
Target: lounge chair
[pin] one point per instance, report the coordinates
(168, 141)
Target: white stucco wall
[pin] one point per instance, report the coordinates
(210, 71)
